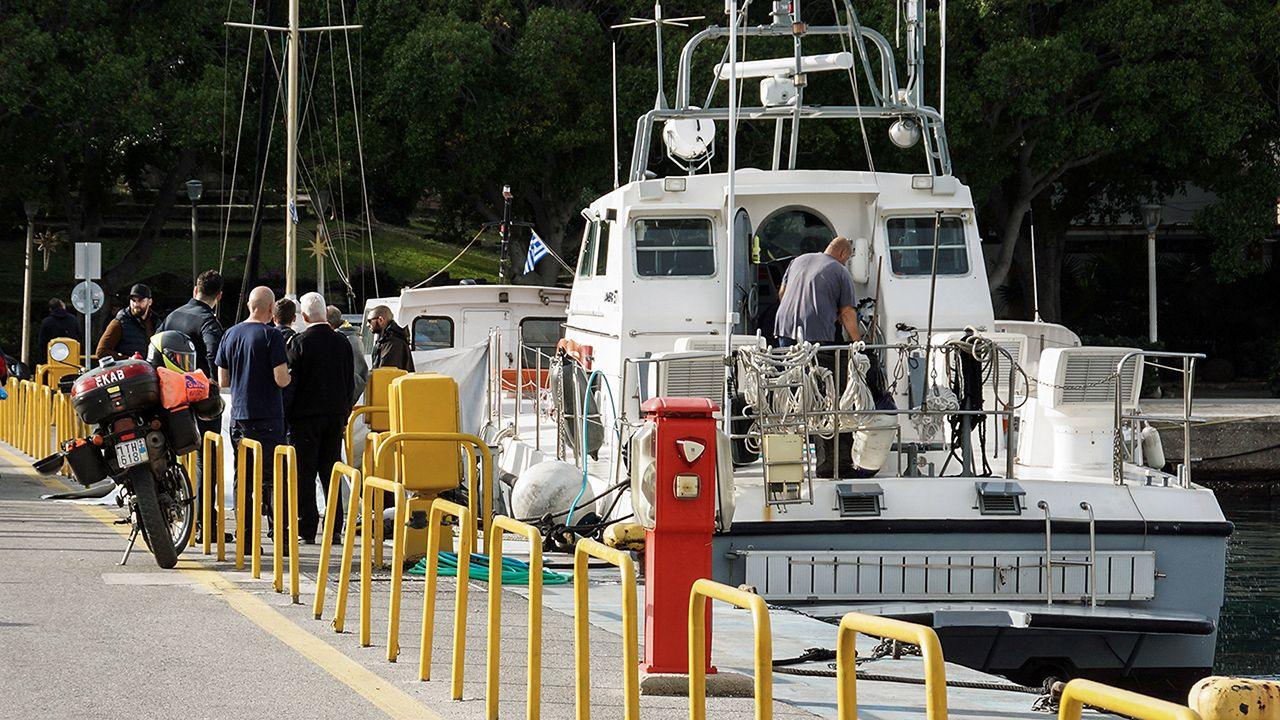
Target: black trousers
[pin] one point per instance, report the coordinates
(826, 450)
(270, 433)
(318, 442)
(214, 425)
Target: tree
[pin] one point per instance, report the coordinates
(1121, 96)
(94, 98)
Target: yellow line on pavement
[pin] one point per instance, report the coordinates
(382, 694)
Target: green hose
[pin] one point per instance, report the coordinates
(514, 572)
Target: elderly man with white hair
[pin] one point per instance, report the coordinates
(321, 365)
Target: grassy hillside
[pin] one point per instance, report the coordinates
(404, 256)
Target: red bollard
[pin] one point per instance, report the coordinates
(678, 548)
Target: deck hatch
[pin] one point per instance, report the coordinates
(1000, 498)
(859, 499)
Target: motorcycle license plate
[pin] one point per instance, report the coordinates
(131, 452)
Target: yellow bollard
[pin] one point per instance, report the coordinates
(285, 469)
(349, 536)
(1228, 698)
(340, 470)
(1079, 693)
(935, 671)
(212, 488)
(404, 505)
(242, 452)
(702, 590)
(440, 509)
(582, 628)
(533, 693)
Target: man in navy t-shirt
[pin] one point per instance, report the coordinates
(252, 362)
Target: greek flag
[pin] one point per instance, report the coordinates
(537, 251)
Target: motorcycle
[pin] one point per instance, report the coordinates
(144, 419)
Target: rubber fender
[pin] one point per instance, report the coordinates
(625, 536)
(1227, 698)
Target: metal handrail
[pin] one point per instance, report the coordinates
(935, 669)
(1188, 382)
(1048, 551)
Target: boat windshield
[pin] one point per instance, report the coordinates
(911, 246)
(674, 247)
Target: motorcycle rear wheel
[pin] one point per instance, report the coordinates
(155, 523)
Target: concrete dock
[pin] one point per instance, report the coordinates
(85, 637)
(1234, 442)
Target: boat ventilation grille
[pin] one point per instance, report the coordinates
(859, 499)
(1000, 498)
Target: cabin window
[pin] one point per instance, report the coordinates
(911, 246)
(587, 259)
(674, 247)
(602, 247)
(540, 335)
(432, 332)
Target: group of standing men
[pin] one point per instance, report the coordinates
(287, 385)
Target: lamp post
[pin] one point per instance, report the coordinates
(195, 189)
(31, 207)
(1151, 218)
(504, 259)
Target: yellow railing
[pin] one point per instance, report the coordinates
(935, 671)
(285, 471)
(405, 504)
(500, 525)
(582, 629)
(242, 483)
(211, 488)
(702, 590)
(334, 501)
(389, 443)
(439, 510)
(1079, 693)
(349, 535)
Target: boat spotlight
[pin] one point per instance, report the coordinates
(904, 132)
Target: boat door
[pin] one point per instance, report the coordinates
(476, 325)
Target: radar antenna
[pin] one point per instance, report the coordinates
(657, 21)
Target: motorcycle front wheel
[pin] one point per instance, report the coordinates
(153, 518)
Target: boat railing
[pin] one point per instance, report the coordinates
(1131, 421)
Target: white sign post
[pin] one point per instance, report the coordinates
(88, 297)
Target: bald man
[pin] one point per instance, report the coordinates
(253, 362)
(817, 301)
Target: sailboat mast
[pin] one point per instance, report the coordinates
(291, 161)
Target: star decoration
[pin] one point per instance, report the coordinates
(49, 243)
(319, 247)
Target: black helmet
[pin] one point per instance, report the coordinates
(172, 350)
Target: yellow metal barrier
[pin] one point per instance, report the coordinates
(499, 525)
(212, 488)
(582, 628)
(242, 482)
(190, 461)
(349, 442)
(404, 505)
(935, 671)
(1079, 693)
(469, 443)
(349, 535)
(340, 470)
(285, 469)
(439, 510)
(703, 589)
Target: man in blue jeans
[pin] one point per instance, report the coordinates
(252, 362)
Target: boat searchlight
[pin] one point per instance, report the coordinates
(904, 132)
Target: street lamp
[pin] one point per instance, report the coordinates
(1151, 219)
(195, 189)
(31, 207)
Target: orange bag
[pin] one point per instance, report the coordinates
(178, 389)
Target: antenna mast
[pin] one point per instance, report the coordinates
(657, 21)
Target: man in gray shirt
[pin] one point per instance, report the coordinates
(817, 298)
(817, 293)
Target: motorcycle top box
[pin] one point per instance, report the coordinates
(115, 387)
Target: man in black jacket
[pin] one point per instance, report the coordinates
(59, 323)
(131, 329)
(198, 321)
(393, 348)
(322, 372)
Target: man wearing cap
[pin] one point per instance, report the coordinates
(131, 328)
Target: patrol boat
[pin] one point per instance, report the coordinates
(1010, 491)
